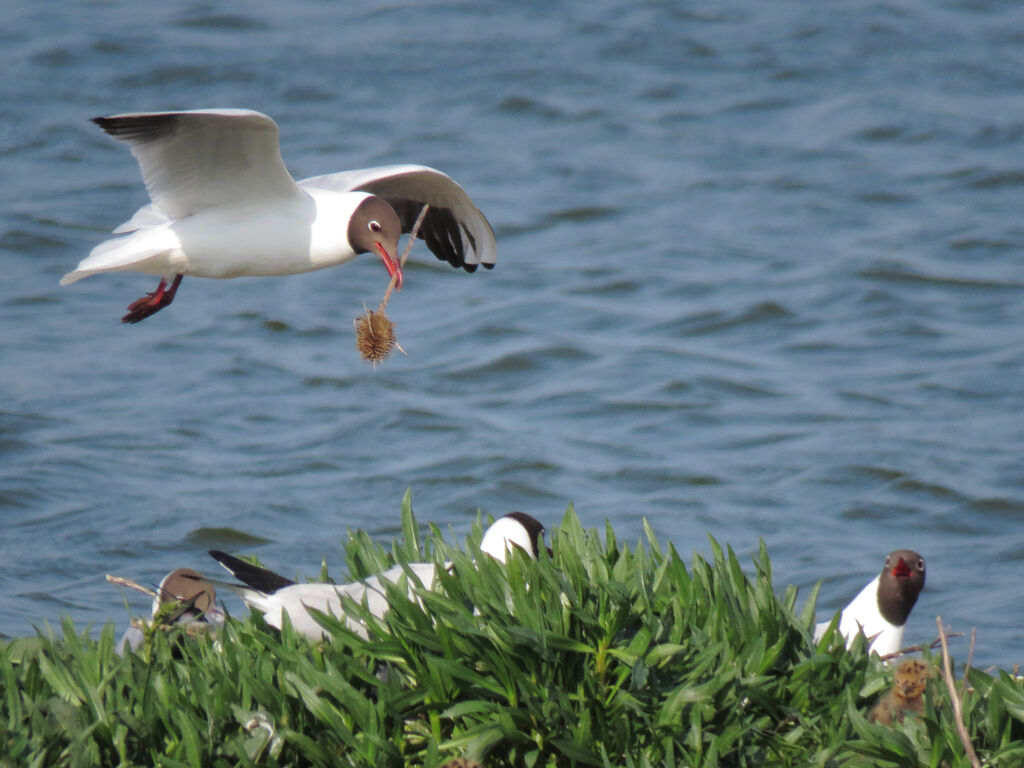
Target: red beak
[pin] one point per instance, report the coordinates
(390, 264)
(901, 570)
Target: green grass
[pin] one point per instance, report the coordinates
(604, 655)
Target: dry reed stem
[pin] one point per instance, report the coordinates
(958, 714)
(405, 256)
(124, 582)
(918, 648)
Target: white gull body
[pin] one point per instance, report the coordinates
(517, 530)
(224, 206)
(862, 615)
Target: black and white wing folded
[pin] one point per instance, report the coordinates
(260, 579)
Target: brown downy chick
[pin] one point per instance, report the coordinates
(908, 686)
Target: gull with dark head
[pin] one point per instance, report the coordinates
(224, 205)
(882, 608)
(195, 602)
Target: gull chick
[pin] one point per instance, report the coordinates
(908, 686)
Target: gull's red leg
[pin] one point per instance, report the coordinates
(153, 302)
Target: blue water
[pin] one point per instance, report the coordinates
(759, 276)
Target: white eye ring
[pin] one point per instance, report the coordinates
(374, 226)
(920, 564)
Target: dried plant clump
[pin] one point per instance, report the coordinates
(375, 335)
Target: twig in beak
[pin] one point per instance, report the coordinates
(125, 582)
(375, 333)
(405, 256)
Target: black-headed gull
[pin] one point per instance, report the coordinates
(272, 594)
(224, 205)
(195, 602)
(882, 608)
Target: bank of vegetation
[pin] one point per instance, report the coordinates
(603, 654)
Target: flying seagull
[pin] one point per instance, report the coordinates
(224, 205)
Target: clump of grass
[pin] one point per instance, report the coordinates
(601, 655)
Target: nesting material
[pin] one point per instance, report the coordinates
(375, 335)
(125, 582)
(191, 628)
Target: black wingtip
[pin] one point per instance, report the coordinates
(144, 127)
(263, 579)
(107, 123)
(218, 555)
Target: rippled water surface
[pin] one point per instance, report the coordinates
(760, 275)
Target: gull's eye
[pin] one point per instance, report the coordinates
(920, 564)
(375, 227)
(887, 561)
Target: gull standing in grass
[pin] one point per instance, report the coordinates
(273, 595)
(224, 205)
(882, 608)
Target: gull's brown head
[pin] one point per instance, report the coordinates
(901, 581)
(375, 228)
